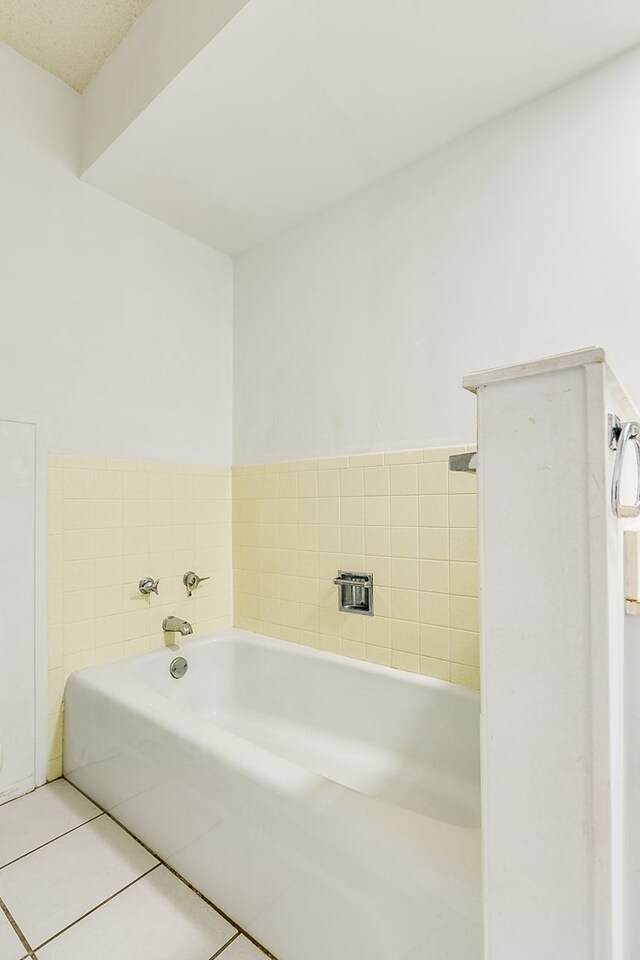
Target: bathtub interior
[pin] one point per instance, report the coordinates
(409, 741)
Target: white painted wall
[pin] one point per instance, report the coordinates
(115, 334)
(352, 332)
(17, 578)
(114, 328)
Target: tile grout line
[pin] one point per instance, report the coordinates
(219, 952)
(164, 863)
(16, 928)
(97, 907)
(53, 840)
(5, 803)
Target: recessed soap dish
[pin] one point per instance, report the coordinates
(355, 592)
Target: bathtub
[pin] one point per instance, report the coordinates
(330, 807)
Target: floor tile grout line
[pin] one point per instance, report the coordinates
(53, 840)
(227, 944)
(5, 803)
(97, 907)
(164, 863)
(4, 909)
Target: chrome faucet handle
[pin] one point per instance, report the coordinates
(192, 581)
(148, 585)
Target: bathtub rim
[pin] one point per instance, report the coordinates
(251, 638)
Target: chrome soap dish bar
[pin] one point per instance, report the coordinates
(620, 434)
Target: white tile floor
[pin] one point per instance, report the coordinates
(73, 884)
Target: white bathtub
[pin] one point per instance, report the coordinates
(330, 807)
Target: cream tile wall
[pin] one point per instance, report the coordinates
(111, 522)
(401, 516)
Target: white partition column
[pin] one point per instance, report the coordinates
(552, 609)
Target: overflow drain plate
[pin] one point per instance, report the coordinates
(178, 668)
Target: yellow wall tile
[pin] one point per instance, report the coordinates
(405, 636)
(433, 478)
(352, 628)
(404, 511)
(403, 456)
(78, 637)
(78, 544)
(77, 574)
(434, 510)
(379, 655)
(82, 462)
(377, 481)
(400, 515)
(77, 605)
(377, 541)
(377, 511)
(464, 578)
(380, 567)
(468, 676)
(112, 522)
(440, 669)
(366, 460)
(77, 484)
(434, 576)
(108, 513)
(405, 661)
(330, 644)
(306, 466)
(404, 479)
(108, 484)
(463, 544)
(434, 608)
(352, 510)
(352, 482)
(107, 543)
(333, 463)
(54, 601)
(465, 647)
(404, 542)
(464, 613)
(463, 510)
(352, 648)
(405, 604)
(462, 482)
(404, 573)
(307, 484)
(442, 453)
(329, 483)
(328, 510)
(136, 485)
(77, 514)
(352, 540)
(377, 632)
(55, 514)
(108, 571)
(435, 641)
(433, 543)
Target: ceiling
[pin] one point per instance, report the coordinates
(69, 38)
(233, 120)
(296, 104)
